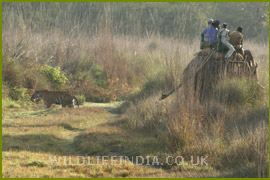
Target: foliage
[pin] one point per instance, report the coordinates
(55, 76)
(12, 71)
(16, 97)
(170, 19)
(5, 90)
(252, 16)
(95, 93)
(16, 93)
(240, 92)
(99, 74)
(81, 99)
(9, 103)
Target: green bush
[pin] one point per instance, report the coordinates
(54, 76)
(81, 99)
(99, 75)
(17, 94)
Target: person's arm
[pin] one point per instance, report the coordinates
(202, 40)
(203, 32)
(242, 40)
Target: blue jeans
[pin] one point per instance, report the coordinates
(230, 47)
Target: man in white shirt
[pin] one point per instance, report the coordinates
(225, 33)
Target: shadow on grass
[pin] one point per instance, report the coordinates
(117, 144)
(36, 143)
(249, 120)
(114, 138)
(245, 172)
(26, 114)
(64, 125)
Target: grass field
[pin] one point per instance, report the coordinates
(235, 137)
(31, 137)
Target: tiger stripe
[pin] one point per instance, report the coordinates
(54, 97)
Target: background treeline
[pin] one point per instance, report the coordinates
(170, 19)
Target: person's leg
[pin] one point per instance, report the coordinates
(231, 49)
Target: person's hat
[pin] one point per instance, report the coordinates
(224, 25)
(240, 29)
(210, 21)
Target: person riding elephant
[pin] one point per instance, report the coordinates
(225, 34)
(236, 39)
(209, 36)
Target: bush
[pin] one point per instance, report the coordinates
(239, 92)
(99, 74)
(5, 90)
(54, 76)
(34, 78)
(97, 94)
(81, 99)
(20, 95)
(16, 93)
(13, 72)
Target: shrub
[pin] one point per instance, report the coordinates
(34, 77)
(16, 93)
(97, 94)
(81, 99)
(5, 90)
(99, 74)
(13, 72)
(239, 92)
(55, 76)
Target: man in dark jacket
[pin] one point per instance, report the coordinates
(236, 39)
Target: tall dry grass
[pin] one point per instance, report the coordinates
(128, 61)
(231, 129)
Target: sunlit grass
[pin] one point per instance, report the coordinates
(31, 138)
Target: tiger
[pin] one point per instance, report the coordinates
(54, 97)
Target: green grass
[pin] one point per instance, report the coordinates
(10, 104)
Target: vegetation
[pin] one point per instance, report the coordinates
(54, 76)
(171, 19)
(81, 99)
(126, 54)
